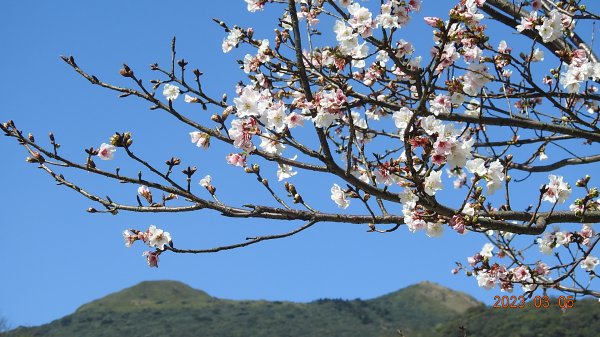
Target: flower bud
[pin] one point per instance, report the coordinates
(37, 157)
(126, 73)
(216, 118)
(226, 112)
(182, 63)
(211, 189)
(115, 140)
(31, 138)
(91, 210)
(298, 199)
(256, 168)
(265, 182)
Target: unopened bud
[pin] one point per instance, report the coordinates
(37, 157)
(216, 118)
(256, 168)
(171, 196)
(182, 63)
(126, 73)
(211, 189)
(115, 140)
(298, 199)
(366, 197)
(31, 138)
(226, 112)
(265, 182)
(91, 210)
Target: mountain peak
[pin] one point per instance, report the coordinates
(150, 294)
(429, 292)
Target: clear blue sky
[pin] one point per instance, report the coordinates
(56, 256)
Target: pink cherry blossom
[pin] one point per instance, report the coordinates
(151, 258)
(236, 159)
(106, 151)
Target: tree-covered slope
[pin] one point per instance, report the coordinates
(170, 308)
(582, 320)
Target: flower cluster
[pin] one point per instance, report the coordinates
(557, 191)
(153, 237)
(493, 174)
(552, 240)
(329, 104)
(489, 275)
(580, 70)
(549, 27)
(233, 39)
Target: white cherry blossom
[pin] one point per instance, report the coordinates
(339, 197)
(171, 92)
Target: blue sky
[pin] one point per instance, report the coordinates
(57, 257)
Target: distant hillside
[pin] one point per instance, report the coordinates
(168, 308)
(583, 320)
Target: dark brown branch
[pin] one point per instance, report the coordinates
(250, 241)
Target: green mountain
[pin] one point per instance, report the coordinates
(169, 308)
(582, 320)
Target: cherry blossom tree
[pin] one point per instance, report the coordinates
(340, 90)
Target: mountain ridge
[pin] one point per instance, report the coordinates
(171, 307)
(426, 309)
